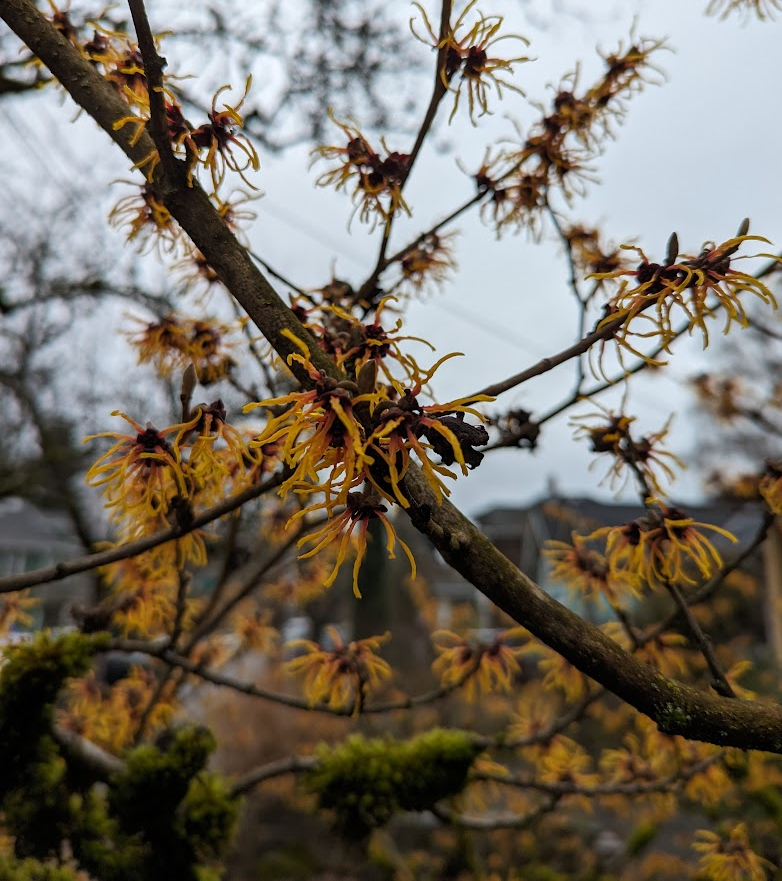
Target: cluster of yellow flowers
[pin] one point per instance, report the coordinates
(467, 64)
(342, 435)
(156, 478)
(557, 151)
(213, 147)
(664, 546)
(173, 342)
(342, 675)
(694, 287)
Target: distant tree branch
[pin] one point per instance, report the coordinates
(58, 571)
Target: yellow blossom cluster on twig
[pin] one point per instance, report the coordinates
(340, 435)
(479, 667)
(467, 63)
(695, 288)
(173, 341)
(341, 676)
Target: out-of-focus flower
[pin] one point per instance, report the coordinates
(643, 456)
(762, 9)
(557, 151)
(468, 64)
(586, 571)
(173, 342)
(428, 263)
(729, 857)
(535, 714)
(589, 254)
(154, 479)
(14, 610)
(770, 486)
(563, 761)
(481, 667)
(377, 180)
(558, 673)
(342, 676)
(645, 757)
(254, 629)
(721, 395)
(147, 221)
(109, 716)
(214, 469)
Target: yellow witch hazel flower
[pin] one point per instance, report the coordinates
(342, 434)
(153, 479)
(377, 179)
(663, 547)
(344, 675)
(468, 64)
(480, 667)
(586, 571)
(729, 857)
(695, 287)
(139, 469)
(172, 342)
(360, 510)
(644, 456)
(763, 9)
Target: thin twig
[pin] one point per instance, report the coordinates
(288, 765)
(58, 571)
(153, 71)
(88, 754)
(161, 650)
(367, 289)
(719, 682)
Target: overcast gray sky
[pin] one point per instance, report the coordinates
(695, 154)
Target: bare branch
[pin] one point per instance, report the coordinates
(62, 570)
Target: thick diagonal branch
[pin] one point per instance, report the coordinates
(186, 201)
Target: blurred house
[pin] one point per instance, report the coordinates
(31, 539)
(521, 533)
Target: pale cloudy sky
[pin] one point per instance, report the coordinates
(695, 154)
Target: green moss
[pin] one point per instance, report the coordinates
(208, 816)
(184, 815)
(641, 837)
(13, 869)
(38, 812)
(156, 778)
(31, 677)
(163, 816)
(365, 782)
(673, 718)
